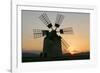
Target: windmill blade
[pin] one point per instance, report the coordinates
(59, 20)
(68, 30)
(65, 44)
(39, 33)
(44, 18)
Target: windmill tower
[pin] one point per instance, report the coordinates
(52, 46)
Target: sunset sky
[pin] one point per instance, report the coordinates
(80, 22)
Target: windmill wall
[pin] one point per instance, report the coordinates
(52, 47)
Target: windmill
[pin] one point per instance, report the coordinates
(52, 45)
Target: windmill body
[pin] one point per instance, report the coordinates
(52, 45)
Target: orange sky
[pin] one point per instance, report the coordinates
(77, 44)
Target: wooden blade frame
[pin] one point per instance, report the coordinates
(65, 44)
(37, 33)
(45, 19)
(59, 20)
(68, 30)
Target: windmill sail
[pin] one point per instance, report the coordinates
(68, 30)
(59, 20)
(45, 19)
(66, 45)
(39, 33)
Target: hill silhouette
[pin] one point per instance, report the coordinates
(33, 57)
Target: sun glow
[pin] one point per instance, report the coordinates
(77, 43)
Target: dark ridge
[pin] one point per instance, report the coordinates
(33, 57)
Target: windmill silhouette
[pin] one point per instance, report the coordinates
(52, 45)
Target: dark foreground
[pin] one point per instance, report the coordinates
(31, 57)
